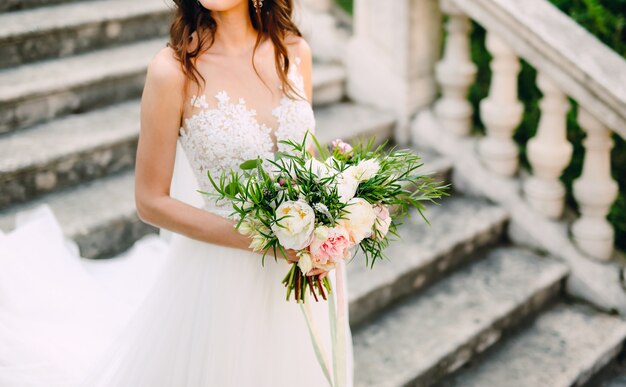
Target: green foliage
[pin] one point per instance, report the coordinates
(346, 5)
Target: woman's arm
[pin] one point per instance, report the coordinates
(306, 70)
(161, 110)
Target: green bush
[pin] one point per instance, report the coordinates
(607, 21)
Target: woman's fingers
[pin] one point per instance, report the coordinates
(320, 272)
(291, 256)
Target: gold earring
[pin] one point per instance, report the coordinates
(258, 4)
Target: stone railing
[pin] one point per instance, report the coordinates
(570, 62)
(398, 43)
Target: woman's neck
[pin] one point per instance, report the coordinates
(235, 34)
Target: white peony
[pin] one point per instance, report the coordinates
(359, 221)
(365, 170)
(305, 263)
(346, 185)
(298, 221)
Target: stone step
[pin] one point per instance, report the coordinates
(100, 216)
(31, 168)
(42, 91)
(351, 122)
(86, 146)
(424, 254)
(101, 142)
(562, 347)
(19, 5)
(331, 79)
(435, 332)
(71, 28)
(38, 92)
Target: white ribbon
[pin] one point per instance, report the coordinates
(337, 318)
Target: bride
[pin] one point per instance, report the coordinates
(193, 307)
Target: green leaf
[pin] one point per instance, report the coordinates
(250, 164)
(232, 188)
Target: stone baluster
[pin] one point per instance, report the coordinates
(549, 152)
(455, 73)
(501, 111)
(595, 190)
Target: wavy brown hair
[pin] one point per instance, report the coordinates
(273, 20)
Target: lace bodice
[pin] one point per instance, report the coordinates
(220, 138)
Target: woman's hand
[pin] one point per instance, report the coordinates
(321, 272)
(292, 257)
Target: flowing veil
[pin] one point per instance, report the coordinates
(58, 311)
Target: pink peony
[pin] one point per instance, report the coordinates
(330, 244)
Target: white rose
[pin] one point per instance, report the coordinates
(318, 168)
(305, 263)
(359, 220)
(346, 185)
(366, 169)
(298, 221)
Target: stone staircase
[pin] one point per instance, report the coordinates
(456, 304)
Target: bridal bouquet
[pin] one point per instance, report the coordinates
(351, 198)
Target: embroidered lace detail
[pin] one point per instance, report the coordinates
(219, 139)
(199, 102)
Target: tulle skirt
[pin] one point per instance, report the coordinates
(170, 313)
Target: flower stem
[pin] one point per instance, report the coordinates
(298, 285)
(310, 281)
(320, 287)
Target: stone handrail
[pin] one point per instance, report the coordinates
(580, 65)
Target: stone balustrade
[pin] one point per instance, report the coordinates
(549, 151)
(399, 50)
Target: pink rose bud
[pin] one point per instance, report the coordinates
(342, 146)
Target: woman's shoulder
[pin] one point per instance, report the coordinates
(165, 68)
(297, 46)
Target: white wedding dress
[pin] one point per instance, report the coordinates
(171, 311)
